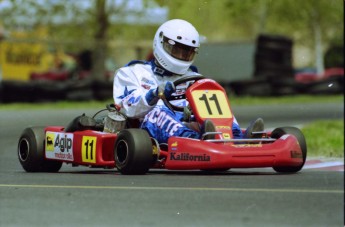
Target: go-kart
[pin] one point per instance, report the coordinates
(84, 141)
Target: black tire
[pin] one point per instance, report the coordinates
(277, 133)
(133, 152)
(31, 152)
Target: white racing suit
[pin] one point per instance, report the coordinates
(131, 84)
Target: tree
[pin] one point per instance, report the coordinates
(313, 22)
(100, 40)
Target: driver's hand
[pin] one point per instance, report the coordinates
(166, 89)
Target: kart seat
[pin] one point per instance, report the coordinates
(81, 123)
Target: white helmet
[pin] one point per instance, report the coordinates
(175, 44)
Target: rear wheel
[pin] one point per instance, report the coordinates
(133, 151)
(31, 152)
(277, 133)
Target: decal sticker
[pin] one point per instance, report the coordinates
(147, 81)
(296, 154)
(174, 146)
(50, 141)
(158, 70)
(226, 135)
(189, 157)
(205, 80)
(223, 127)
(283, 137)
(88, 149)
(211, 104)
(125, 93)
(131, 99)
(163, 120)
(59, 145)
(146, 87)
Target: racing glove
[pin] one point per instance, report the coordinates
(153, 95)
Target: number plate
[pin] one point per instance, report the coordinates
(89, 149)
(211, 104)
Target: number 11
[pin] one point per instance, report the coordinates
(212, 98)
(87, 149)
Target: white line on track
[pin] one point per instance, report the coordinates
(324, 165)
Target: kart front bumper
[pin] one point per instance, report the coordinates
(186, 154)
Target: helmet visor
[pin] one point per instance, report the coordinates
(179, 50)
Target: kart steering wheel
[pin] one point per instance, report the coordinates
(182, 96)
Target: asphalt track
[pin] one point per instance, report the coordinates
(79, 196)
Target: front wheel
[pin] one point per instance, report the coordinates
(31, 152)
(133, 151)
(277, 133)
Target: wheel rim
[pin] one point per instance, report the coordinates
(23, 149)
(121, 152)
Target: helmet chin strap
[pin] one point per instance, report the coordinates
(159, 70)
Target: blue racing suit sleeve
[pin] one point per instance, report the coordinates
(152, 97)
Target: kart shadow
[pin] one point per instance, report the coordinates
(210, 173)
(235, 172)
(67, 169)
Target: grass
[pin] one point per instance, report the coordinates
(325, 138)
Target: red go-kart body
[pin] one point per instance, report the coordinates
(133, 151)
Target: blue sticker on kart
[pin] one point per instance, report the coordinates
(59, 146)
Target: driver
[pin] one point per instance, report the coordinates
(138, 84)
